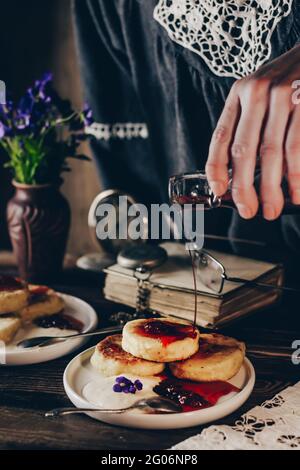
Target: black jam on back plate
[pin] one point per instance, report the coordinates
(60, 321)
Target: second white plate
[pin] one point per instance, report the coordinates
(74, 307)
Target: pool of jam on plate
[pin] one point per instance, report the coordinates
(61, 321)
(166, 331)
(9, 283)
(192, 396)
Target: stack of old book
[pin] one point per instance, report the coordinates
(171, 289)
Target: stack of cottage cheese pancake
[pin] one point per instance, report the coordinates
(22, 305)
(148, 346)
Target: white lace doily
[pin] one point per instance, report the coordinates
(272, 426)
(232, 36)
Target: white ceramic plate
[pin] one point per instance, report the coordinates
(76, 308)
(80, 372)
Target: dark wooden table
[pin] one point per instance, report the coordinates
(26, 392)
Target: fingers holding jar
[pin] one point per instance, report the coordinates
(261, 119)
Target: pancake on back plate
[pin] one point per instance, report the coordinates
(13, 294)
(42, 301)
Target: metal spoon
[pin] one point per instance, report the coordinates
(47, 340)
(152, 405)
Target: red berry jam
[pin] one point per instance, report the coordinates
(166, 331)
(193, 396)
(175, 391)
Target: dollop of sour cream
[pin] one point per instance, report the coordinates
(100, 393)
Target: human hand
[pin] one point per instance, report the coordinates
(261, 117)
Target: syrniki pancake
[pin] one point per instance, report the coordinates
(219, 358)
(160, 340)
(42, 301)
(110, 359)
(13, 294)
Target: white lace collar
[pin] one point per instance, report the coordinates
(232, 36)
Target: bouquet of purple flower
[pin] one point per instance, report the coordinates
(40, 132)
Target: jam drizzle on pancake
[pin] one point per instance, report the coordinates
(166, 332)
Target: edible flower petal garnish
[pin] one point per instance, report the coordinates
(124, 385)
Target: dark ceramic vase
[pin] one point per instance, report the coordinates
(38, 222)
